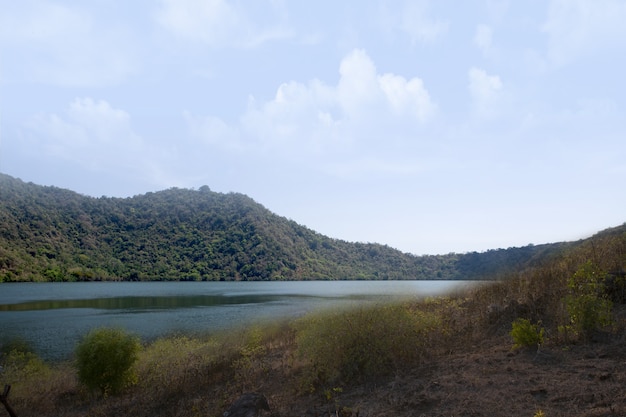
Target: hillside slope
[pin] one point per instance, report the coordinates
(52, 234)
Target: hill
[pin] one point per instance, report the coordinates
(53, 234)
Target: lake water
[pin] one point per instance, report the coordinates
(52, 317)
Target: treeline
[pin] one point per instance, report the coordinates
(52, 234)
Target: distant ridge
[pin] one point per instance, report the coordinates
(53, 234)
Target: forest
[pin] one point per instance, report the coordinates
(53, 234)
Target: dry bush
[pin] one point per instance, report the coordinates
(174, 362)
(363, 342)
(37, 387)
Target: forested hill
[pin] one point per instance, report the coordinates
(52, 234)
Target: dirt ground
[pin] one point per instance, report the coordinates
(489, 380)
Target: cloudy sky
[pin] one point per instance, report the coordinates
(430, 126)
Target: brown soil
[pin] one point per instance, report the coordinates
(493, 381)
(488, 380)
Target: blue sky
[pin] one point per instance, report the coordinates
(430, 126)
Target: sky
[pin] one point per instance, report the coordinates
(429, 126)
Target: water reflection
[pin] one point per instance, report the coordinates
(141, 303)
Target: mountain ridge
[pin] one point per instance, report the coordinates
(54, 234)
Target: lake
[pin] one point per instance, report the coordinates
(52, 317)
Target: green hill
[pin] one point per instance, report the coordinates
(53, 234)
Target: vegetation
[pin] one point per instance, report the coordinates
(526, 334)
(105, 359)
(587, 304)
(51, 234)
(19, 359)
(365, 342)
(444, 356)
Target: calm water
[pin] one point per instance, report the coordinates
(52, 317)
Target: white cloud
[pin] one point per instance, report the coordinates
(218, 23)
(93, 135)
(417, 23)
(576, 27)
(411, 19)
(483, 38)
(300, 119)
(305, 120)
(63, 45)
(212, 131)
(485, 90)
(407, 97)
(358, 83)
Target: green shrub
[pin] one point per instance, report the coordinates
(525, 334)
(105, 359)
(363, 342)
(20, 364)
(29, 376)
(586, 305)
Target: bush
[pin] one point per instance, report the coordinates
(363, 342)
(525, 334)
(174, 362)
(18, 361)
(586, 304)
(105, 359)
